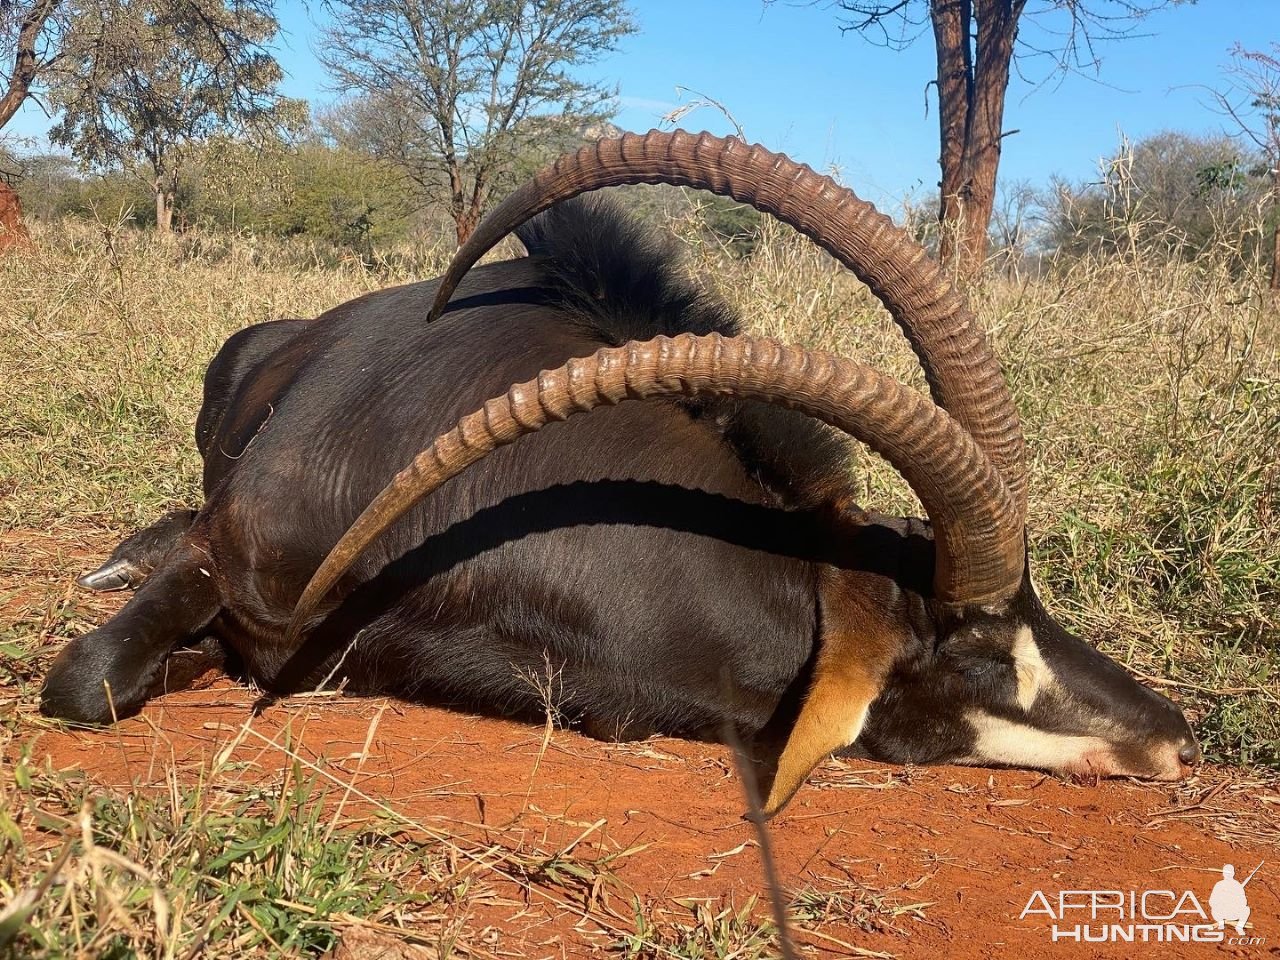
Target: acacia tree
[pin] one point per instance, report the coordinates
(158, 79)
(978, 46)
(449, 91)
(1252, 102)
(28, 41)
(29, 31)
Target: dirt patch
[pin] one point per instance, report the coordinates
(971, 844)
(901, 862)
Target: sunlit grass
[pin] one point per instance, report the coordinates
(1150, 393)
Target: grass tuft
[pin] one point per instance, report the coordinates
(203, 869)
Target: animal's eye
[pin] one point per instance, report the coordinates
(981, 668)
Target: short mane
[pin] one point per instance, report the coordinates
(625, 281)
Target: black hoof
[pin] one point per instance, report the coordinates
(113, 575)
(94, 682)
(110, 672)
(97, 680)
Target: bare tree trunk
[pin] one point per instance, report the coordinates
(467, 211)
(464, 220)
(971, 93)
(464, 223)
(997, 30)
(955, 91)
(164, 209)
(473, 207)
(12, 230)
(1275, 233)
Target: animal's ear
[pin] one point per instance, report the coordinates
(976, 631)
(857, 647)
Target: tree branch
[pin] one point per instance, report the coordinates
(26, 63)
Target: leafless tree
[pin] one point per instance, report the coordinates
(978, 44)
(1251, 100)
(1011, 222)
(451, 90)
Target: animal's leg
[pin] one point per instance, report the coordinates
(186, 664)
(615, 729)
(138, 554)
(111, 671)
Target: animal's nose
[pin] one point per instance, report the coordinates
(1189, 753)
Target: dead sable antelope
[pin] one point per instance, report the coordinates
(692, 564)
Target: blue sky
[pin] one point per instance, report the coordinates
(796, 84)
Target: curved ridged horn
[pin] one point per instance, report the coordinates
(977, 529)
(964, 375)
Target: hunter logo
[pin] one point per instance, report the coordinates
(1229, 903)
(1148, 916)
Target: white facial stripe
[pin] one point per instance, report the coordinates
(1033, 673)
(1003, 741)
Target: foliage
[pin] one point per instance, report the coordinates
(161, 78)
(308, 189)
(52, 186)
(1173, 194)
(450, 90)
(331, 194)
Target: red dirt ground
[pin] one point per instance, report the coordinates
(974, 845)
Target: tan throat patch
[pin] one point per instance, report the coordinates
(857, 646)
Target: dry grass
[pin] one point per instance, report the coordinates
(1151, 397)
(1150, 392)
(220, 867)
(106, 335)
(236, 862)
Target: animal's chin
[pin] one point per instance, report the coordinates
(1095, 763)
(1106, 763)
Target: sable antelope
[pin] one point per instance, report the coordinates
(688, 557)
